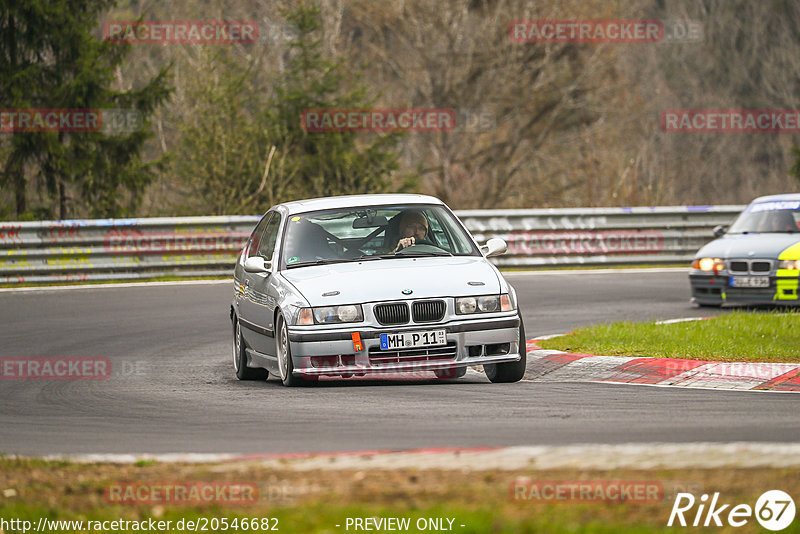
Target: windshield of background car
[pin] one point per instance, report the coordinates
(769, 217)
(355, 234)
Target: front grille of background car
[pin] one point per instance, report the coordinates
(391, 313)
(739, 267)
(420, 354)
(428, 311)
(750, 266)
(760, 266)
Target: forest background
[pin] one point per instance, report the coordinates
(539, 124)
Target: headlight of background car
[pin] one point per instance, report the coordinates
(483, 304)
(792, 265)
(709, 264)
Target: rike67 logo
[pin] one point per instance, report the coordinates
(774, 510)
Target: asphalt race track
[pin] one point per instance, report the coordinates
(173, 389)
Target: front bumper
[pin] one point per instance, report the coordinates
(716, 290)
(469, 342)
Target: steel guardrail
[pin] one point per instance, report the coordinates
(186, 247)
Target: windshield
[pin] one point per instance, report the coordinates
(768, 217)
(373, 233)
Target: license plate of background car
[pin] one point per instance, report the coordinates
(410, 340)
(749, 281)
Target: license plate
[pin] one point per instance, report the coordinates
(410, 340)
(749, 281)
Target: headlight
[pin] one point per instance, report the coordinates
(709, 264)
(338, 314)
(483, 304)
(466, 305)
(489, 304)
(792, 265)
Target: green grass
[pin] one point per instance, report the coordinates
(324, 518)
(479, 500)
(734, 337)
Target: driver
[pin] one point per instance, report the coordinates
(413, 227)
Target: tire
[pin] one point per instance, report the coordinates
(504, 373)
(240, 357)
(453, 372)
(706, 305)
(283, 350)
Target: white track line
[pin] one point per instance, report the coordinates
(116, 285)
(573, 272)
(561, 272)
(744, 455)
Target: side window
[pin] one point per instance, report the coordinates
(438, 233)
(255, 238)
(267, 245)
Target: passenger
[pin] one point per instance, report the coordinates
(782, 221)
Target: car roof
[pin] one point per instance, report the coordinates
(354, 201)
(772, 198)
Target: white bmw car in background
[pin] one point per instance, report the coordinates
(334, 286)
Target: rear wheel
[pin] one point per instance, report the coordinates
(501, 373)
(240, 357)
(284, 352)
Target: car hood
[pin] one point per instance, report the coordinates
(767, 246)
(385, 279)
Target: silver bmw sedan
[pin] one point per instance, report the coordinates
(371, 284)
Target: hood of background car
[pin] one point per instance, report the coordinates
(767, 246)
(386, 279)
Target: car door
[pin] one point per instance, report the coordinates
(257, 309)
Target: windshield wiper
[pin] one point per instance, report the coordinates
(316, 262)
(420, 254)
(394, 256)
(372, 257)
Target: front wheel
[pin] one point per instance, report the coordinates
(284, 352)
(240, 357)
(502, 373)
(708, 305)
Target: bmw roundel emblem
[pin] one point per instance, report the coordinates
(407, 292)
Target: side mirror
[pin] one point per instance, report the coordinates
(257, 265)
(720, 230)
(494, 247)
